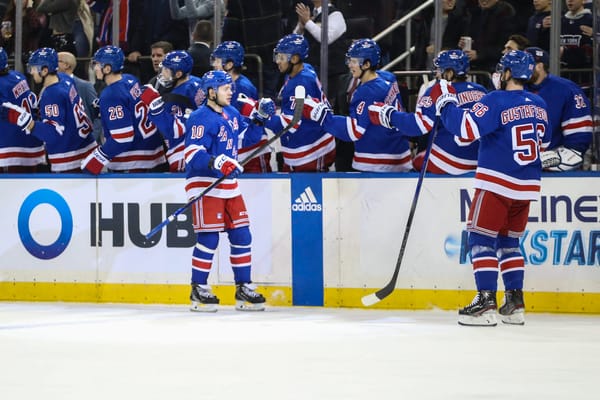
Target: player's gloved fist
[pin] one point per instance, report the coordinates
(266, 109)
(19, 116)
(247, 105)
(315, 110)
(227, 165)
(151, 98)
(442, 93)
(95, 161)
(381, 114)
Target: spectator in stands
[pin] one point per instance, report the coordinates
(18, 153)
(490, 24)
(538, 26)
(256, 24)
(34, 27)
(454, 22)
(158, 51)
(154, 24)
(576, 35)
(67, 64)
(201, 47)
(515, 42)
(523, 10)
(569, 112)
(309, 25)
(195, 11)
(68, 32)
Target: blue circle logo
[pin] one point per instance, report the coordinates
(45, 196)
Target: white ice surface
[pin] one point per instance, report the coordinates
(86, 351)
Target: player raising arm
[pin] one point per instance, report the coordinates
(377, 148)
(215, 131)
(132, 142)
(182, 94)
(512, 128)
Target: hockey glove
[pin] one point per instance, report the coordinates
(381, 114)
(95, 161)
(315, 110)
(561, 159)
(442, 93)
(19, 116)
(247, 105)
(265, 110)
(152, 99)
(227, 165)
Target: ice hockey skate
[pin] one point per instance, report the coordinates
(203, 300)
(247, 299)
(481, 311)
(513, 309)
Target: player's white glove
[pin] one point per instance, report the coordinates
(315, 110)
(381, 114)
(95, 161)
(19, 116)
(227, 165)
(561, 159)
(442, 93)
(151, 98)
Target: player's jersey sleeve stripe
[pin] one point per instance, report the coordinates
(355, 131)
(469, 128)
(122, 135)
(576, 125)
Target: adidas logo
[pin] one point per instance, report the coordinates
(306, 201)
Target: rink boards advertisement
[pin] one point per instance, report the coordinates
(318, 240)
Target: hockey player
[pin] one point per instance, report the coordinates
(308, 148)
(376, 148)
(65, 128)
(229, 57)
(18, 152)
(168, 112)
(570, 115)
(512, 126)
(449, 153)
(214, 132)
(132, 141)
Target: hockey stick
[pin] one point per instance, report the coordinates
(299, 95)
(382, 293)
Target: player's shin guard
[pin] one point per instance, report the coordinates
(485, 267)
(202, 256)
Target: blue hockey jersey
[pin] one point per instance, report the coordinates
(376, 148)
(179, 103)
(65, 128)
(309, 141)
(569, 112)
(450, 153)
(209, 134)
(132, 142)
(16, 148)
(512, 127)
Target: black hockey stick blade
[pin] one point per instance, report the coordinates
(384, 292)
(300, 93)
